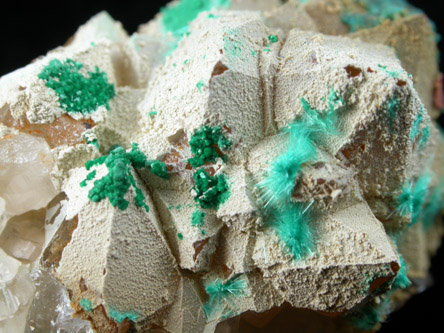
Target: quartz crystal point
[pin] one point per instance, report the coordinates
(50, 310)
(232, 165)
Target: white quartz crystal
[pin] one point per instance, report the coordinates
(25, 182)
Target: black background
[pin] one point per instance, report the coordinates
(28, 31)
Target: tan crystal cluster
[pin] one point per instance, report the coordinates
(252, 163)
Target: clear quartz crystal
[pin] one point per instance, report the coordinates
(50, 310)
(16, 292)
(25, 182)
(8, 267)
(24, 235)
(3, 214)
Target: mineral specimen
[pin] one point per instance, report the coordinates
(231, 164)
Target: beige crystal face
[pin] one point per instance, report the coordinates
(271, 164)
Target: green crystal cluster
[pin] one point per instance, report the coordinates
(206, 145)
(120, 176)
(211, 191)
(76, 92)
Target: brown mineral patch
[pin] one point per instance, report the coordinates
(227, 129)
(198, 247)
(377, 283)
(153, 328)
(318, 165)
(125, 326)
(331, 314)
(65, 130)
(226, 271)
(370, 70)
(349, 152)
(384, 220)
(175, 156)
(395, 267)
(82, 285)
(101, 322)
(286, 318)
(219, 69)
(353, 71)
(172, 158)
(260, 320)
(208, 168)
(53, 252)
(401, 83)
(438, 94)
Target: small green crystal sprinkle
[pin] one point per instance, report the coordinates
(394, 74)
(200, 85)
(198, 218)
(121, 316)
(416, 132)
(94, 142)
(273, 39)
(392, 106)
(375, 12)
(152, 113)
(433, 206)
(89, 177)
(232, 46)
(158, 168)
(76, 92)
(180, 236)
(425, 137)
(86, 304)
(176, 17)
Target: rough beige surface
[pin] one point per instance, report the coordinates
(118, 246)
(413, 39)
